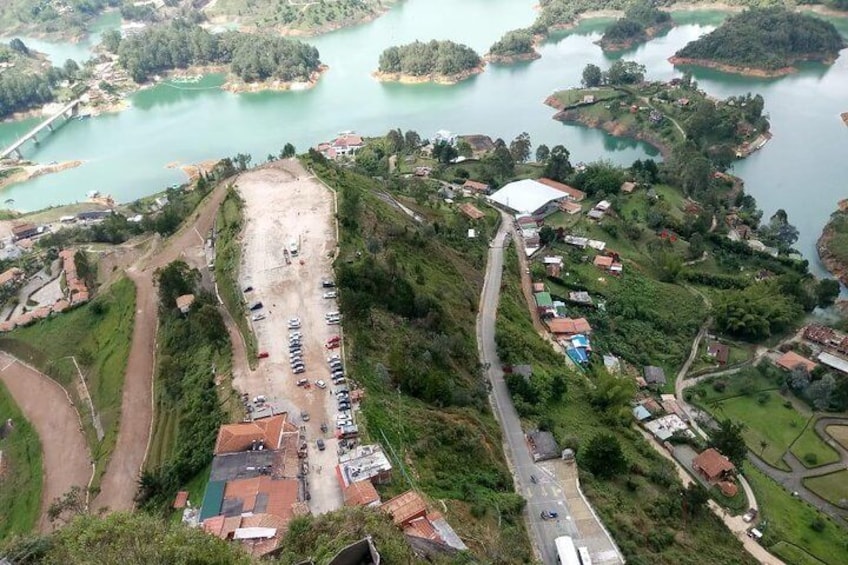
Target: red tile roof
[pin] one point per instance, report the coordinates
(361, 493)
(568, 326)
(10, 275)
(603, 261)
(712, 464)
(572, 192)
(471, 211)
(405, 507)
(791, 360)
(240, 437)
(475, 185)
(182, 498)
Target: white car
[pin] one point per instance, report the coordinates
(329, 315)
(295, 335)
(334, 322)
(257, 317)
(294, 325)
(320, 384)
(330, 294)
(333, 358)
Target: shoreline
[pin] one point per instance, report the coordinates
(844, 116)
(23, 173)
(512, 59)
(430, 78)
(650, 33)
(831, 264)
(734, 69)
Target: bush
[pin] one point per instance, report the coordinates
(811, 459)
(719, 386)
(818, 525)
(763, 398)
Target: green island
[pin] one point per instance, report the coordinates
(673, 117)
(56, 18)
(832, 245)
(516, 45)
(764, 42)
(640, 23)
(444, 62)
(247, 57)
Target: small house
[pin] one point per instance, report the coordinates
(627, 187)
(713, 466)
(476, 187)
(184, 302)
(655, 376)
(570, 207)
(24, 231)
(471, 211)
(11, 276)
(542, 445)
(791, 360)
(719, 351)
(570, 192)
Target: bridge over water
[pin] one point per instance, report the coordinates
(67, 111)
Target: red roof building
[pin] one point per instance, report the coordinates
(571, 192)
(268, 432)
(713, 466)
(476, 186)
(791, 360)
(567, 327)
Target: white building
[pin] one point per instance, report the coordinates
(529, 197)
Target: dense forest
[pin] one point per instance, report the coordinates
(769, 39)
(25, 85)
(640, 21)
(180, 44)
(518, 43)
(419, 59)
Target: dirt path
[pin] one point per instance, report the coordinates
(66, 460)
(119, 483)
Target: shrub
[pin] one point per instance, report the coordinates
(763, 398)
(719, 386)
(811, 459)
(818, 525)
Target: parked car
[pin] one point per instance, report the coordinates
(298, 370)
(334, 339)
(332, 314)
(320, 384)
(328, 283)
(256, 306)
(257, 317)
(302, 382)
(334, 357)
(334, 322)
(259, 399)
(262, 355)
(334, 345)
(320, 444)
(294, 323)
(344, 405)
(749, 516)
(549, 514)
(248, 289)
(330, 294)
(304, 416)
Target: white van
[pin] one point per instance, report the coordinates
(755, 534)
(293, 247)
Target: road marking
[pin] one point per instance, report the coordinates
(9, 364)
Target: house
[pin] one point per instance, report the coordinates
(833, 361)
(410, 513)
(245, 436)
(791, 360)
(553, 270)
(567, 327)
(538, 287)
(570, 207)
(603, 205)
(347, 143)
(11, 276)
(92, 215)
(652, 406)
(713, 466)
(181, 500)
(718, 351)
(24, 231)
(654, 376)
(588, 99)
(581, 297)
(571, 192)
(552, 260)
(603, 262)
(361, 493)
(542, 445)
(595, 214)
(258, 533)
(641, 413)
(184, 302)
(627, 187)
(577, 348)
(670, 405)
(471, 211)
(529, 197)
(665, 427)
(476, 186)
(544, 303)
(364, 462)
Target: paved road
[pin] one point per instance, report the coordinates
(546, 494)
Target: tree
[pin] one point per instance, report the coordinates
(603, 456)
(696, 246)
(243, 161)
(411, 140)
(68, 506)
(17, 45)
(592, 76)
(288, 151)
(728, 440)
(821, 392)
(519, 148)
(444, 152)
(71, 68)
(394, 141)
(546, 235)
(558, 167)
(827, 291)
(464, 148)
(695, 498)
(542, 153)
(763, 445)
(779, 232)
(624, 72)
(500, 160)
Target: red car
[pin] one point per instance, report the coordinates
(263, 355)
(332, 344)
(334, 339)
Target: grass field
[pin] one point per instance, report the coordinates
(812, 450)
(98, 335)
(576, 95)
(20, 482)
(832, 487)
(840, 434)
(787, 530)
(227, 262)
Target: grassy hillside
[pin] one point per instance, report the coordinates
(20, 478)
(642, 506)
(409, 294)
(98, 336)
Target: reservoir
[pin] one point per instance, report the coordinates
(803, 169)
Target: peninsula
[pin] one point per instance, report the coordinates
(765, 42)
(442, 62)
(27, 80)
(640, 23)
(832, 245)
(516, 45)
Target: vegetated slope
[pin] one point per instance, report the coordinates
(409, 293)
(249, 56)
(833, 245)
(29, 83)
(418, 59)
(517, 44)
(768, 38)
(640, 22)
(643, 504)
(98, 336)
(20, 483)
(70, 18)
(310, 17)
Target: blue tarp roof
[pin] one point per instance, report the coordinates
(641, 413)
(580, 340)
(579, 356)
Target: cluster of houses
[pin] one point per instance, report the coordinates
(258, 484)
(76, 293)
(833, 343)
(739, 231)
(572, 334)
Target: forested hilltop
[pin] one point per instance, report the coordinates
(515, 45)
(180, 45)
(68, 18)
(27, 80)
(641, 22)
(764, 39)
(437, 61)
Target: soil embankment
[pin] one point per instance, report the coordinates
(747, 71)
(431, 78)
(30, 171)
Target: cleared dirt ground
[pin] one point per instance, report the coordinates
(283, 203)
(65, 457)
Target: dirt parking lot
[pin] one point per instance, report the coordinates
(284, 204)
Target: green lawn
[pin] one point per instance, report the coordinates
(575, 95)
(786, 524)
(812, 450)
(832, 487)
(20, 483)
(771, 423)
(98, 335)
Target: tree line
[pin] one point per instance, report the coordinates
(767, 38)
(515, 42)
(634, 25)
(178, 45)
(21, 88)
(435, 57)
